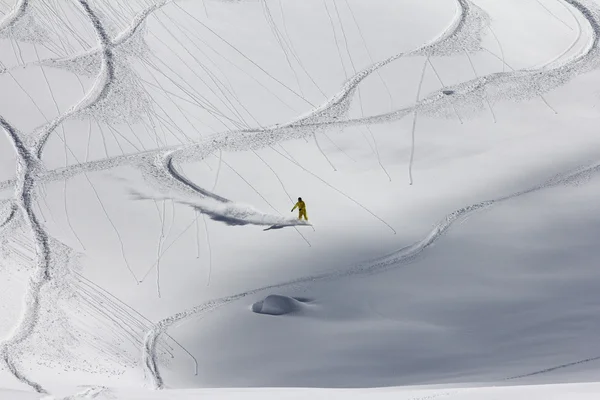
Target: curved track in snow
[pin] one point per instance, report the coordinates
(98, 91)
(17, 12)
(159, 163)
(121, 39)
(462, 35)
(508, 84)
(27, 171)
(394, 260)
(516, 85)
(27, 165)
(332, 110)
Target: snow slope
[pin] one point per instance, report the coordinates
(447, 152)
(550, 392)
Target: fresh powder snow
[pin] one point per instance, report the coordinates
(447, 152)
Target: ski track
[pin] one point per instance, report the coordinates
(573, 43)
(394, 260)
(463, 35)
(555, 368)
(164, 170)
(340, 106)
(89, 393)
(8, 215)
(98, 91)
(18, 11)
(27, 165)
(328, 115)
(27, 169)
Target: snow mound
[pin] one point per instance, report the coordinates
(280, 305)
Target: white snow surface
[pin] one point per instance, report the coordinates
(536, 392)
(447, 150)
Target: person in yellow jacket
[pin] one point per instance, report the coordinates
(301, 206)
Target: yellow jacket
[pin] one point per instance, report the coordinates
(300, 205)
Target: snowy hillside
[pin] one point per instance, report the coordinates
(547, 392)
(447, 151)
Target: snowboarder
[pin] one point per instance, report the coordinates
(301, 206)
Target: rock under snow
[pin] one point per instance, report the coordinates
(279, 305)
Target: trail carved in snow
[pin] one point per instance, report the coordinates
(27, 171)
(394, 260)
(508, 84)
(17, 12)
(463, 35)
(27, 165)
(517, 85)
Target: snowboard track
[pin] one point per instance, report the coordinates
(27, 171)
(557, 75)
(394, 260)
(27, 165)
(19, 10)
(462, 36)
(328, 115)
